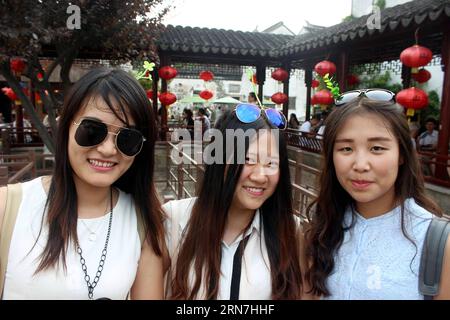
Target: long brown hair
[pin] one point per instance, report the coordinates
(114, 87)
(200, 250)
(325, 232)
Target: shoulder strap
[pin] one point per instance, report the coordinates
(432, 257)
(13, 199)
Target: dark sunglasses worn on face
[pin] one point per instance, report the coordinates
(249, 113)
(372, 94)
(92, 132)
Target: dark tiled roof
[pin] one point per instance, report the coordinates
(226, 42)
(412, 13)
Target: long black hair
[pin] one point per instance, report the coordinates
(115, 87)
(201, 247)
(325, 232)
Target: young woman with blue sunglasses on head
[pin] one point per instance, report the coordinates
(93, 229)
(368, 225)
(239, 238)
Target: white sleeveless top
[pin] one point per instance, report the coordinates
(256, 281)
(117, 277)
(376, 261)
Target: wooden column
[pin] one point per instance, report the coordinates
(287, 67)
(342, 70)
(155, 79)
(406, 76)
(261, 76)
(164, 128)
(308, 83)
(444, 128)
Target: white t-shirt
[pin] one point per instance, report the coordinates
(306, 127)
(256, 282)
(119, 272)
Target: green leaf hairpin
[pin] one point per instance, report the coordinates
(147, 72)
(332, 85)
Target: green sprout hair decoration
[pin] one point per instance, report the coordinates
(147, 72)
(332, 85)
(250, 76)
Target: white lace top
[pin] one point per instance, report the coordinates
(376, 261)
(121, 263)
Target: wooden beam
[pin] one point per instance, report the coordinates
(308, 83)
(261, 76)
(287, 67)
(342, 71)
(406, 76)
(444, 128)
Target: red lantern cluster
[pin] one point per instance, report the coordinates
(352, 79)
(313, 100)
(279, 98)
(150, 94)
(315, 83)
(206, 75)
(325, 67)
(412, 98)
(416, 56)
(323, 97)
(280, 74)
(167, 73)
(167, 98)
(17, 65)
(206, 94)
(422, 76)
(10, 93)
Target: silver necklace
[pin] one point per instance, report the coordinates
(91, 285)
(93, 234)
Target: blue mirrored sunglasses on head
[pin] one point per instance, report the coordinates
(372, 94)
(249, 113)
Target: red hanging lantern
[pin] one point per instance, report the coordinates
(352, 79)
(422, 76)
(412, 98)
(313, 100)
(280, 74)
(315, 83)
(167, 73)
(17, 65)
(416, 56)
(324, 97)
(206, 94)
(254, 79)
(279, 98)
(167, 98)
(39, 76)
(206, 75)
(325, 67)
(150, 94)
(10, 93)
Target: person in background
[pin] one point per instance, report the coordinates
(427, 142)
(293, 122)
(188, 121)
(321, 130)
(203, 117)
(252, 98)
(308, 127)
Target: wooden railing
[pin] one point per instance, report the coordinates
(303, 141)
(435, 168)
(24, 166)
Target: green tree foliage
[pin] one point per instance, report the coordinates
(382, 80)
(380, 3)
(433, 109)
(115, 30)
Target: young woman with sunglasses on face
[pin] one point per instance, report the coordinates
(238, 239)
(368, 225)
(76, 234)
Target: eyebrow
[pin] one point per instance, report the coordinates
(370, 139)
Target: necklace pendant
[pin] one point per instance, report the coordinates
(92, 237)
